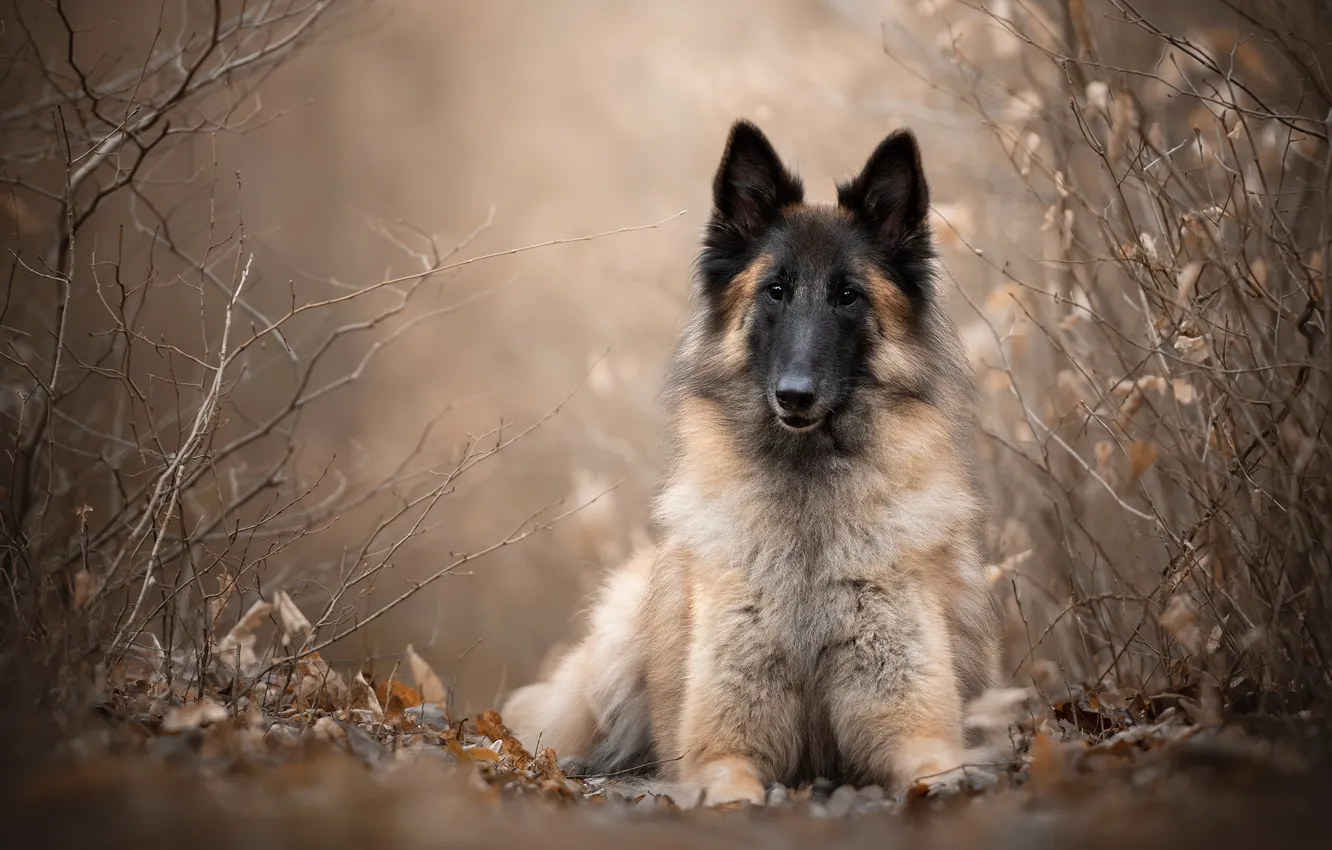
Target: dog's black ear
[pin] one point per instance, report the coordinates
(751, 185)
(890, 197)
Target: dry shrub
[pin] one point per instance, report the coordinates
(164, 469)
(1158, 372)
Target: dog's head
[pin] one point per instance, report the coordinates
(818, 304)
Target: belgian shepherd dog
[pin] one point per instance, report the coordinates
(816, 603)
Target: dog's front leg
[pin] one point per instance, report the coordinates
(895, 706)
(739, 725)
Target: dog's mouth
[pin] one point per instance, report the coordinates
(799, 424)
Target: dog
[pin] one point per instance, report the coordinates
(816, 602)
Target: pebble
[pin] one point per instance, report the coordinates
(822, 789)
(778, 795)
(841, 801)
(872, 793)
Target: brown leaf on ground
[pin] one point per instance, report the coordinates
(1048, 761)
(192, 716)
(396, 697)
(490, 724)
(238, 645)
(320, 686)
(429, 684)
(363, 699)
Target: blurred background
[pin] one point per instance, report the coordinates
(567, 119)
(387, 135)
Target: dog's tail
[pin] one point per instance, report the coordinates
(592, 707)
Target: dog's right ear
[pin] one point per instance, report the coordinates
(751, 187)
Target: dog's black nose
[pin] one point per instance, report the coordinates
(795, 393)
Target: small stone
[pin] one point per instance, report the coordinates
(778, 795)
(873, 793)
(822, 789)
(839, 804)
(818, 810)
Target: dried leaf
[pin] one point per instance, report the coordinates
(192, 716)
(238, 645)
(320, 686)
(952, 223)
(226, 588)
(1186, 282)
(1184, 391)
(84, 586)
(1194, 349)
(1027, 153)
(1141, 455)
(1130, 407)
(430, 686)
(1022, 107)
(1180, 620)
(1125, 125)
(1098, 99)
(996, 573)
(1048, 761)
(1077, 13)
(396, 697)
(363, 699)
(294, 624)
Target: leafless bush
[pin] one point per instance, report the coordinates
(161, 394)
(1158, 372)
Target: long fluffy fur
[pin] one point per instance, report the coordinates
(816, 610)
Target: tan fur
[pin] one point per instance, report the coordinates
(768, 640)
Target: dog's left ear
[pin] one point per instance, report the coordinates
(890, 196)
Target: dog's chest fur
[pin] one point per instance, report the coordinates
(798, 560)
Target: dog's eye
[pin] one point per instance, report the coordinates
(776, 291)
(847, 297)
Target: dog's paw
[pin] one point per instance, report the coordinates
(724, 782)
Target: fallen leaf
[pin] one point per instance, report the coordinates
(294, 623)
(320, 686)
(1184, 391)
(1187, 282)
(1125, 125)
(1193, 349)
(84, 585)
(238, 645)
(396, 697)
(194, 715)
(226, 588)
(1180, 620)
(998, 572)
(429, 684)
(363, 699)
(1098, 99)
(1141, 455)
